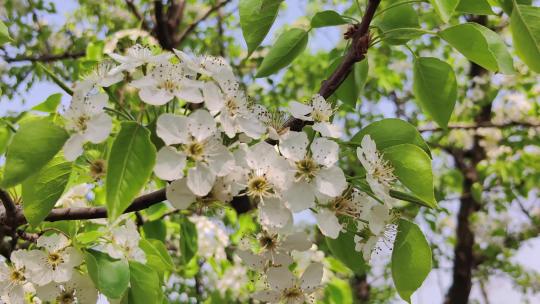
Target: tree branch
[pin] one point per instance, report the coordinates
(195, 23)
(135, 11)
(357, 51)
(10, 207)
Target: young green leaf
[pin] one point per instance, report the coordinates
(525, 27)
(351, 87)
(256, 19)
(411, 259)
(435, 88)
(287, 47)
(508, 5)
(188, 239)
(130, 165)
(50, 104)
(343, 248)
(5, 136)
(110, 276)
(477, 7)
(4, 34)
(41, 191)
(145, 286)
(327, 18)
(480, 45)
(445, 8)
(390, 132)
(36, 142)
(403, 16)
(412, 166)
(157, 255)
(155, 230)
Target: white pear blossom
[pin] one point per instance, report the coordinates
(87, 122)
(319, 111)
(14, 277)
(55, 262)
(268, 174)
(274, 249)
(379, 173)
(375, 226)
(209, 66)
(198, 142)
(233, 111)
(315, 170)
(285, 287)
(104, 75)
(136, 56)
(123, 243)
(76, 196)
(79, 289)
(166, 81)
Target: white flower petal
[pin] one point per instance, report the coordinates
(300, 110)
(201, 125)
(73, 147)
(179, 194)
(53, 242)
(212, 97)
(296, 241)
(311, 278)
(270, 296)
(251, 126)
(327, 129)
(190, 94)
(253, 261)
(331, 181)
(274, 215)
(293, 145)
(200, 179)
(325, 152)
(170, 164)
(98, 128)
(172, 129)
(221, 161)
(328, 223)
(299, 196)
(280, 278)
(155, 96)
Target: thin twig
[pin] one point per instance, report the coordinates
(195, 23)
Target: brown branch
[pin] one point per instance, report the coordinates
(483, 124)
(195, 23)
(135, 11)
(161, 28)
(359, 46)
(10, 207)
(46, 57)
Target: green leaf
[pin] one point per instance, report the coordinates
(525, 27)
(130, 165)
(50, 104)
(445, 8)
(256, 19)
(343, 248)
(480, 45)
(401, 35)
(412, 166)
(476, 7)
(4, 34)
(145, 286)
(508, 5)
(155, 230)
(351, 87)
(327, 18)
(390, 132)
(111, 277)
(41, 191)
(94, 50)
(36, 142)
(287, 47)
(398, 17)
(188, 240)
(5, 136)
(157, 255)
(411, 259)
(435, 88)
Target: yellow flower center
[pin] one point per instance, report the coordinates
(232, 106)
(54, 259)
(291, 294)
(168, 85)
(319, 116)
(66, 298)
(194, 150)
(82, 122)
(306, 169)
(16, 276)
(258, 186)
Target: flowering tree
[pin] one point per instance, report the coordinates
(175, 171)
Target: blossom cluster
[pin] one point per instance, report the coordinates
(220, 145)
